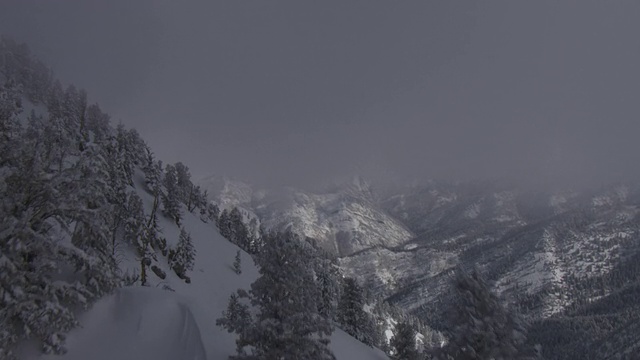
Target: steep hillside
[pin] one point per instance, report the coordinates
(179, 321)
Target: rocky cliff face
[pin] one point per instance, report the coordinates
(344, 219)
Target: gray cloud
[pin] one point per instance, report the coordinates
(295, 92)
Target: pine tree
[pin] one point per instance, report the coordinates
(404, 342)
(253, 233)
(73, 108)
(237, 317)
(287, 324)
(171, 197)
(88, 205)
(152, 229)
(244, 238)
(196, 198)
(39, 82)
(152, 172)
(182, 258)
(351, 315)
(224, 225)
(204, 205)
(484, 328)
(138, 234)
(213, 213)
(236, 263)
(117, 196)
(130, 151)
(327, 277)
(97, 124)
(10, 108)
(135, 221)
(183, 182)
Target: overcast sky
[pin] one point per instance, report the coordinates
(292, 92)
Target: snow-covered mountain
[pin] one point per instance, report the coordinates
(344, 220)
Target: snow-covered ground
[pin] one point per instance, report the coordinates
(140, 323)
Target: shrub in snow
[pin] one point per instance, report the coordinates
(159, 272)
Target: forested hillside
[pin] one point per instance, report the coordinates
(69, 203)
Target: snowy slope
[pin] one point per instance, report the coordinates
(152, 323)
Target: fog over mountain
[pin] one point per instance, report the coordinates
(293, 93)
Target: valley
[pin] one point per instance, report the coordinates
(551, 255)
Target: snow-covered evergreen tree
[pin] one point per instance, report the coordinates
(97, 124)
(403, 342)
(135, 221)
(212, 213)
(152, 229)
(10, 108)
(88, 206)
(351, 315)
(171, 197)
(237, 318)
(139, 233)
(197, 198)
(206, 209)
(232, 227)
(152, 172)
(254, 235)
(237, 265)
(130, 150)
(182, 258)
(484, 328)
(327, 278)
(239, 234)
(183, 182)
(287, 324)
(224, 225)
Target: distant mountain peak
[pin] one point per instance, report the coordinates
(343, 219)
